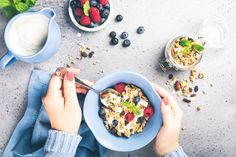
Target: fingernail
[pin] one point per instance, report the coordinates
(166, 101)
(69, 76)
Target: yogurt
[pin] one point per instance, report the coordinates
(28, 34)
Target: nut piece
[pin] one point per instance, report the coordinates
(198, 108)
(193, 95)
(186, 100)
(177, 85)
(204, 92)
(84, 54)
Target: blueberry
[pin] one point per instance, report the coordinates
(107, 6)
(112, 34)
(195, 89)
(91, 25)
(170, 76)
(91, 54)
(119, 18)
(115, 123)
(122, 113)
(140, 30)
(124, 35)
(140, 120)
(102, 113)
(100, 7)
(114, 41)
(113, 131)
(93, 3)
(136, 99)
(73, 4)
(105, 13)
(126, 43)
(77, 18)
(78, 3)
(126, 123)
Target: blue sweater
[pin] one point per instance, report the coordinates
(61, 144)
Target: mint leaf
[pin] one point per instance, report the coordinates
(127, 104)
(135, 110)
(21, 7)
(185, 43)
(10, 11)
(5, 3)
(132, 107)
(198, 47)
(31, 2)
(185, 50)
(86, 8)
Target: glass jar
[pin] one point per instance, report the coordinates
(213, 33)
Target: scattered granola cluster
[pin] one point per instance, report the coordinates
(85, 51)
(126, 113)
(185, 87)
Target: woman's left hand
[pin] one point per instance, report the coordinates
(61, 101)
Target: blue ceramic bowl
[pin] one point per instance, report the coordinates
(95, 123)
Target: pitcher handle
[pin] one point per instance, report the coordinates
(7, 60)
(49, 12)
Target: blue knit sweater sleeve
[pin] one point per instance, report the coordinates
(179, 152)
(61, 144)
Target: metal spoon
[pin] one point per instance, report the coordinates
(87, 86)
(108, 90)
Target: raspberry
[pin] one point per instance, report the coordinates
(120, 87)
(148, 111)
(103, 2)
(85, 20)
(95, 14)
(79, 12)
(129, 117)
(82, 2)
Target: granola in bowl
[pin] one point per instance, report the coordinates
(126, 113)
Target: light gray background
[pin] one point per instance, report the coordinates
(210, 132)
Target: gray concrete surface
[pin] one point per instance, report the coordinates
(208, 133)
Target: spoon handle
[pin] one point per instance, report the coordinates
(85, 85)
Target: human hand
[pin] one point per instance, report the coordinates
(61, 101)
(167, 139)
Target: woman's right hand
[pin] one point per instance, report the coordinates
(167, 139)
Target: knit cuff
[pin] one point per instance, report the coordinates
(179, 152)
(62, 142)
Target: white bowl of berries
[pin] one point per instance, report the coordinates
(90, 15)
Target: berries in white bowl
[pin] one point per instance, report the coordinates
(90, 15)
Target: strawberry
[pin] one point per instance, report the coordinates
(95, 14)
(103, 2)
(85, 20)
(120, 87)
(148, 112)
(129, 117)
(79, 12)
(82, 2)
